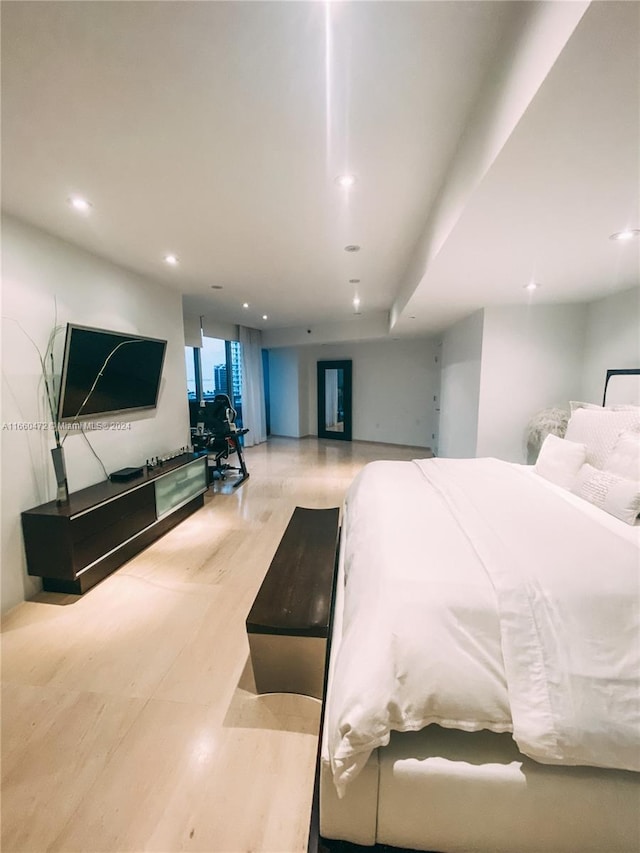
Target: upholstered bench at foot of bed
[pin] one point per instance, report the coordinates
(288, 624)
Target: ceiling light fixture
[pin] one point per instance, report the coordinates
(352, 248)
(627, 234)
(245, 304)
(172, 260)
(346, 181)
(264, 317)
(533, 285)
(356, 302)
(80, 204)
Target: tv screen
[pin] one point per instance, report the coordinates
(106, 372)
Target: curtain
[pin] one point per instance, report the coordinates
(253, 407)
(192, 331)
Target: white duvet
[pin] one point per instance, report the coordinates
(476, 598)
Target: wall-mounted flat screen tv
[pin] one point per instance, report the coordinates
(107, 372)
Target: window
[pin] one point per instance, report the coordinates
(234, 366)
(216, 368)
(213, 359)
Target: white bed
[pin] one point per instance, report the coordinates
(483, 689)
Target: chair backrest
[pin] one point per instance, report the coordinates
(220, 415)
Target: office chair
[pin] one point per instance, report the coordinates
(224, 437)
(220, 415)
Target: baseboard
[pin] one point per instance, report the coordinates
(428, 451)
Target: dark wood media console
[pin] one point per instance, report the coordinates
(75, 545)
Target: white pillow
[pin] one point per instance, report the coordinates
(559, 460)
(624, 459)
(599, 429)
(613, 494)
(618, 407)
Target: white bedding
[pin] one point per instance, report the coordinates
(480, 559)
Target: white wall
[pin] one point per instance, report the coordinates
(503, 364)
(531, 359)
(89, 291)
(460, 387)
(356, 328)
(284, 389)
(393, 387)
(612, 340)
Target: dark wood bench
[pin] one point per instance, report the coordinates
(288, 624)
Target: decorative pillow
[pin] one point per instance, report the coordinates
(618, 407)
(624, 459)
(575, 404)
(559, 460)
(599, 429)
(613, 494)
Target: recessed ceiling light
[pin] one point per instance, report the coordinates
(264, 317)
(354, 281)
(352, 248)
(346, 181)
(356, 302)
(245, 304)
(627, 234)
(533, 285)
(172, 260)
(217, 287)
(80, 204)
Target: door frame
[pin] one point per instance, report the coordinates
(344, 365)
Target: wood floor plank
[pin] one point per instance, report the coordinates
(56, 744)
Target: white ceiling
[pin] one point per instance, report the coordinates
(215, 130)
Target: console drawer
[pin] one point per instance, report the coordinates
(95, 546)
(112, 512)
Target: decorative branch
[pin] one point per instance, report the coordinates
(48, 379)
(97, 379)
(547, 421)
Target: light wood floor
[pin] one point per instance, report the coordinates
(129, 715)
